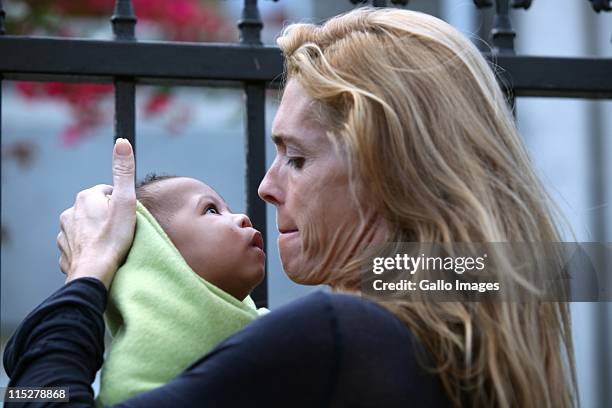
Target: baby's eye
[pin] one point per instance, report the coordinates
(211, 210)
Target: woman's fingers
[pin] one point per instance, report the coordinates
(104, 189)
(97, 231)
(64, 259)
(64, 264)
(63, 245)
(65, 217)
(62, 242)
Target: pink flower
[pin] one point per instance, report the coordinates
(157, 103)
(182, 20)
(72, 134)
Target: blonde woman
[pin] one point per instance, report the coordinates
(391, 128)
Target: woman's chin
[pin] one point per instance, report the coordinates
(296, 270)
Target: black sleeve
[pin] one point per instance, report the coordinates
(61, 342)
(320, 350)
(288, 358)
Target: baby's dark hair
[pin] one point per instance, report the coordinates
(150, 199)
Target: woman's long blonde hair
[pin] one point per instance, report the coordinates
(428, 134)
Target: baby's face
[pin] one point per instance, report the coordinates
(218, 245)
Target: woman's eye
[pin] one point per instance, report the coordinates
(211, 210)
(296, 162)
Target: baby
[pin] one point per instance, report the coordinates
(183, 288)
(220, 246)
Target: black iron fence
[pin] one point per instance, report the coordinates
(126, 63)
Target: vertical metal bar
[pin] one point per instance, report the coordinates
(597, 153)
(124, 22)
(125, 111)
(2, 15)
(255, 146)
(598, 146)
(250, 27)
(502, 38)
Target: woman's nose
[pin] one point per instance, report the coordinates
(268, 188)
(243, 221)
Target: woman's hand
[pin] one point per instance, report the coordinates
(97, 232)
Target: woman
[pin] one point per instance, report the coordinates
(391, 128)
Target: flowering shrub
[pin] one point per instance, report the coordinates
(84, 101)
(176, 20)
(179, 20)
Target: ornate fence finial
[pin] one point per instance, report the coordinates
(515, 3)
(601, 5)
(1, 18)
(382, 3)
(483, 3)
(502, 33)
(124, 20)
(525, 4)
(250, 24)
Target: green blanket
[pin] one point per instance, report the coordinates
(162, 315)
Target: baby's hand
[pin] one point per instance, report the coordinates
(97, 232)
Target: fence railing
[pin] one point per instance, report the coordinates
(126, 63)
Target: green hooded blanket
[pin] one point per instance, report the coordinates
(162, 315)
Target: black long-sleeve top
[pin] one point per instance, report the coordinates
(318, 351)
